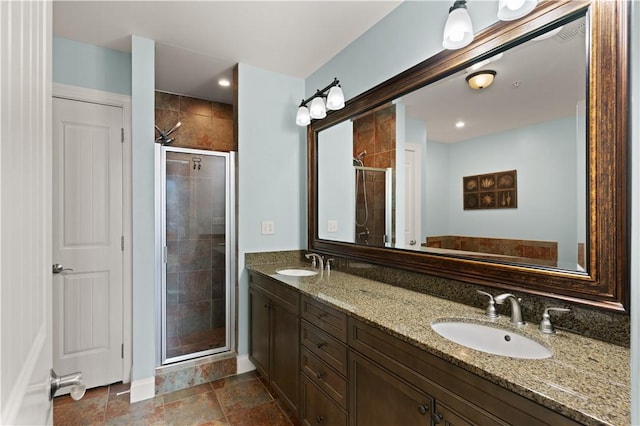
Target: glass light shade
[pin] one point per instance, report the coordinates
(509, 10)
(335, 98)
(481, 79)
(458, 31)
(317, 109)
(302, 117)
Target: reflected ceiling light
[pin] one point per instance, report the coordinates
(458, 30)
(549, 34)
(481, 79)
(478, 65)
(460, 124)
(509, 10)
(318, 108)
(224, 82)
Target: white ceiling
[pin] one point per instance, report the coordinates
(536, 81)
(197, 42)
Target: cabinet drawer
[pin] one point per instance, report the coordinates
(317, 408)
(279, 293)
(327, 348)
(325, 377)
(324, 317)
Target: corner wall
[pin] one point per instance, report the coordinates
(272, 177)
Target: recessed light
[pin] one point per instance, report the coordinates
(460, 124)
(224, 82)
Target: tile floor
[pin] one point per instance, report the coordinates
(239, 400)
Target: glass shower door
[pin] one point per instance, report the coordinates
(197, 241)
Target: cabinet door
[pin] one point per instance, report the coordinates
(259, 333)
(380, 398)
(285, 345)
(316, 408)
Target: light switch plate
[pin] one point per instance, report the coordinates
(332, 226)
(268, 227)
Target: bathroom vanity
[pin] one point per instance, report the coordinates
(365, 353)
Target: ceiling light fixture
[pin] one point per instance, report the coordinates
(318, 108)
(224, 82)
(509, 10)
(481, 79)
(458, 30)
(460, 124)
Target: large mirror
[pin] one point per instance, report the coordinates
(490, 163)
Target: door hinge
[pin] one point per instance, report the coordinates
(122, 350)
(122, 134)
(122, 243)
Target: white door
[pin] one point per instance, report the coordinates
(25, 213)
(413, 197)
(87, 239)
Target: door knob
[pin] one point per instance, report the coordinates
(412, 242)
(74, 380)
(57, 268)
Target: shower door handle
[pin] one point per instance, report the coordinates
(412, 242)
(57, 268)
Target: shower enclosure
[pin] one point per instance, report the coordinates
(373, 205)
(198, 241)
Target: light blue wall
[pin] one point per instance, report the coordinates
(410, 34)
(336, 182)
(271, 172)
(143, 208)
(416, 132)
(93, 67)
(545, 158)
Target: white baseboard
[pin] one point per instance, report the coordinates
(244, 365)
(142, 389)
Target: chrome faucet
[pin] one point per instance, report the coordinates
(516, 311)
(316, 260)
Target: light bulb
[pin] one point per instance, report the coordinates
(317, 109)
(458, 30)
(509, 10)
(302, 117)
(335, 98)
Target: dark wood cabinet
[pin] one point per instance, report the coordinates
(380, 398)
(274, 337)
(333, 369)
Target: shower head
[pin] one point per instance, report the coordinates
(164, 138)
(358, 160)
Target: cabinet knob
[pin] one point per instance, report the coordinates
(319, 419)
(321, 345)
(436, 417)
(321, 315)
(319, 375)
(423, 409)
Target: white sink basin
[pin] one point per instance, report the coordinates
(493, 340)
(297, 272)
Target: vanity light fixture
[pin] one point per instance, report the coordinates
(510, 10)
(318, 108)
(481, 79)
(458, 30)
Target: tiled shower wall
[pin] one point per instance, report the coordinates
(374, 133)
(205, 124)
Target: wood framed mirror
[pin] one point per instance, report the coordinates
(595, 271)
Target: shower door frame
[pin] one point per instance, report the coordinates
(230, 247)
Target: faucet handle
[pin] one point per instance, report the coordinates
(490, 312)
(328, 264)
(545, 325)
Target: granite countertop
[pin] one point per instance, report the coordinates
(586, 380)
